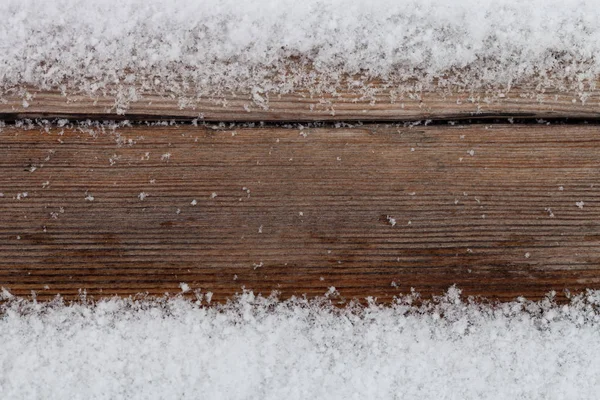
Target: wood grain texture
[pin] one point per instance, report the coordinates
(384, 105)
(313, 214)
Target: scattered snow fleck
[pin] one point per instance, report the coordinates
(256, 266)
(527, 255)
(301, 214)
(184, 287)
(178, 211)
(213, 195)
(194, 202)
(561, 188)
(142, 196)
(580, 204)
(471, 152)
(391, 221)
(89, 197)
(165, 157)
(22, 195)
(260, 229)
(549, 211)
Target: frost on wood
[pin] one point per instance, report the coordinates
(189, 48)
(258, 347)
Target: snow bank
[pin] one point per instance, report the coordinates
(196, 48)
(263, 348)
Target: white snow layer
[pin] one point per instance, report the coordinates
(201, 47)
(261, 348)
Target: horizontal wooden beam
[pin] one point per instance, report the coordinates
(500, 210)
(381, 103)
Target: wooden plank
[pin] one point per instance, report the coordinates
(500, 221)
(382, 104)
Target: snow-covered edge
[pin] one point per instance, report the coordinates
(256, 347)
(188, 49)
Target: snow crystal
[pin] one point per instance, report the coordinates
(184, 287)
(190, 48)
(256, 266)
(257, 347)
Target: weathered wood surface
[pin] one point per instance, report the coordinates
(502, 222)
(384, 105)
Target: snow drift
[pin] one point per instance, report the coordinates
(198, 48)
(258, 347)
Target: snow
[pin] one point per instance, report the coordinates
(258, 347)
(184, 287)
(191, 48)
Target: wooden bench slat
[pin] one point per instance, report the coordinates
(496, 222)
(385, 105)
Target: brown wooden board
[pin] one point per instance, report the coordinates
(379, 103)
(492, 209)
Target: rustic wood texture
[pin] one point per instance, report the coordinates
(501, 221)
(386, 105)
